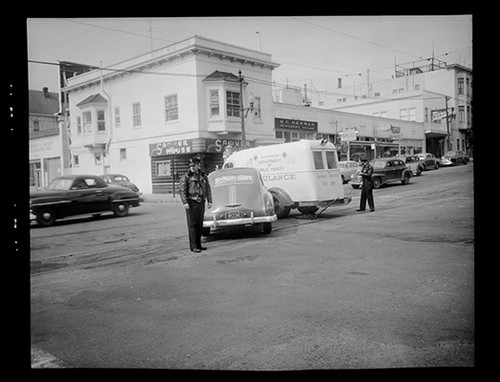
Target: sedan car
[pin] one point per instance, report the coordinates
(453, 158)
(385, 170)
(239, 198)
(429, 161)
(120, 180)
(79, 195)
(413, 163)
(347, 168)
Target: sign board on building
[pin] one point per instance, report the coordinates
(349, 134)
(182, 146)
(295, 124)
(219, 145)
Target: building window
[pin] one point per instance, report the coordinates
(136, 115)
(171, 108)
(426, 114)
(76, 160)
(256, 109)
(78, 125)
(403, 114)
(417, 86)
(98, 159)
(163, 168)
(123, 154)
(460, 85)
(383, 114)
(101, 122)
(214, 104)
(87, 122)
(461, 113)
(36, 126)
(117, 117)
(233, 104)
(412, 116)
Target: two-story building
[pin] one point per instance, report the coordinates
(48, 143)
(147, 115)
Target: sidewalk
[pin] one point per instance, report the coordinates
(160, 198)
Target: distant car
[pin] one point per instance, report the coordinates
(120, 180)
(347, 168)
(413, 163)
(79, 195)
(239, 199)
(385, 170)
(453, 158)
(429, 161)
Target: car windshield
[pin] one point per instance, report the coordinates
(60, 184)
(378, 163)
(120, 178)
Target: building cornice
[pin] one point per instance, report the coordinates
(192, 47)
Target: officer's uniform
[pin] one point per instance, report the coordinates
(367, 188)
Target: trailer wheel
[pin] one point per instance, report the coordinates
(308, 210)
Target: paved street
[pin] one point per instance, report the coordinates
(388, 289)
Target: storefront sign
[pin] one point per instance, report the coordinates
(219, 145)
(182, 146)
(349, 134)
(295, 124)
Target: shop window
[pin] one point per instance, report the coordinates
(163, 168)
(171, 108)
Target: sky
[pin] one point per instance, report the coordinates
(311, 50)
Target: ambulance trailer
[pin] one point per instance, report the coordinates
(302, 174)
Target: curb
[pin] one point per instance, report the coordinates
(160, 198)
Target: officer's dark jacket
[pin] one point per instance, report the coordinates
(195, 186)
(367, 171)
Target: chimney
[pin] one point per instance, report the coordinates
(46, 92)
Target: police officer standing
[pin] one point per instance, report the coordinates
(194, 191)
(367, 187)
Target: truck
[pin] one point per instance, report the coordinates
(303, 174)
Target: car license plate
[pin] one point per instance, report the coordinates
(234, 215)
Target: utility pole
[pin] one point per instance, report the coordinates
(242, 114)
(448, 148)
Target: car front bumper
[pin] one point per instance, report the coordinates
(241, 221)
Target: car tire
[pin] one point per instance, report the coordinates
(376, 183)
(46, 217)
(120, 209)
(267, 227)
(406, 179)
(280, 209)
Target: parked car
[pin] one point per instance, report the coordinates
(452, 158)
(347, 168)
(239, 198)
(429, 161)
(79, 195)
(120, 180)
(413, 163)
(385, 170)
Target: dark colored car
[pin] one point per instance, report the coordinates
(79, 195)
(452, 158)
(385, 170)
(429, 161)
(239, 199)
(120, 180)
